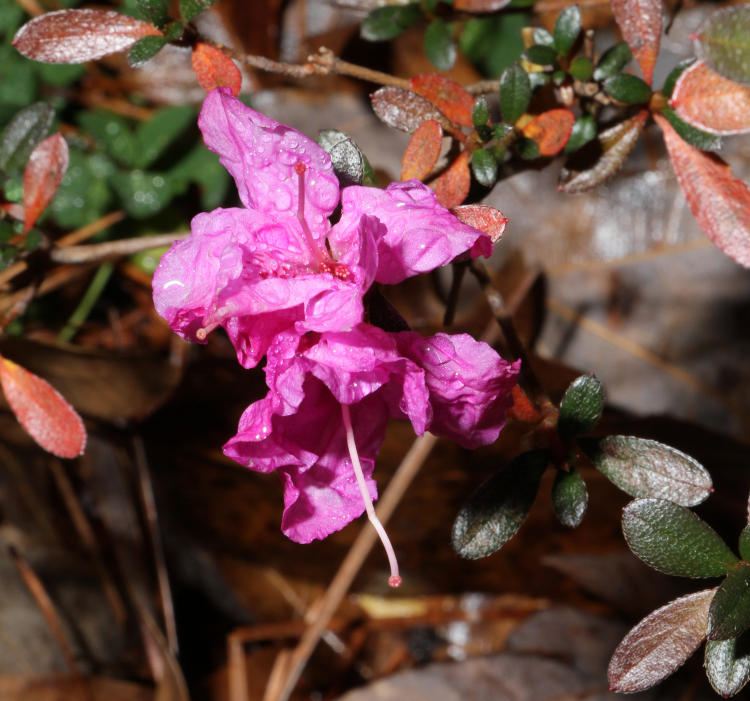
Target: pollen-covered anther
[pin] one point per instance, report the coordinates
(338, 270)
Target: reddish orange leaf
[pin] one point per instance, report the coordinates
(77, 36)
(452, 186)
(214, 69)
(523, 410)
(640, 23)
(43, 175)
(42, 411)
(551, 130)
(447, 95)
(719, 201)
(711, 102)
(422, 151)
(488, 219)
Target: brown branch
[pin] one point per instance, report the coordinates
(98, 252)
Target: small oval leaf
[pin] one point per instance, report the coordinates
(640, 23)
(484, 167)
(723, 42)
(584, 130)
(452, 187)
(190, 9)
(661, 643)
(673, 540)
(729, 615)
(77, 36)
(495, 512)
(43, 175)
(569, 498)
(581, 68)
(347, 160)
(422, 151)
(628, 89)
(551, 130)
(674, 75)
(480, 114)
(403, 109)
(439, 46)
(388, 22)
(581, 406)
(645, 468)
(690, 134)
(214, 69)
(567, 29)
(27, 128)
(540, 55)
(42, 411)
(613, 60)
(727, 664)
(515, 93)
(447, 95)
(488, 219)
(145, 49)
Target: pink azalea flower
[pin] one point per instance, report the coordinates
(278, 263)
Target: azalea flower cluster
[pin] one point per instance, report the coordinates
(286, 284)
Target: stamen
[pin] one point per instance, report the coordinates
(395, 579)
(318, 255)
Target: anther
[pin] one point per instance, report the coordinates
(318, 255)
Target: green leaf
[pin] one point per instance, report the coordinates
(613, 61)
(84, 194)
(112, 133)
(541, 55)
(528, 149)
(581, 68)
(581, 406)
(145, 49)
(569, 498)
(347, 160)
(480, 115)
(646, 468)
(155, 135)
(484, 166)
(515, 93)
(674, 75)
(190, 9)
(439, 46)
(154, 11)
(745, 543)
(497, 509)
(729, 615)
(173, 31)
(542, 37)
(537, 79)
(142, 194)
(203, 167)
(727, 664)
(388, 22)
(695, 137)
(25, 130)
(673, 540)
(629, 89)
(723, 42)
(567, 29)
(492, 43)
(584, 130)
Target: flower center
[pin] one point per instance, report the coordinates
(395, 579)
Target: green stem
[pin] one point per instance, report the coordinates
(82, 311)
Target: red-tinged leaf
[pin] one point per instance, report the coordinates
(403, 109)
(660, 643)
(719, 201)
(448, 96)
(479, 5)
(214, 69)
(452, 186)
(42, 411)
(710, 102)
(640, 22)
(488, 219)
(77, 36)
(616, 143)
(523, 410)
(422, 151)
(12, 209)
(551, 130)
(43, 175)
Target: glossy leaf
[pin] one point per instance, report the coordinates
(729, 615)
(495, 512)
(515, 93)
(42, 177)
(693, 136)
(23, 133)
(581, 406)
(640, 23)
(616, 143)
(581, 68)
(153, 11)
(484, 167)
(744, 543)
(672, 539)
(569, 498)
(540, 55)
(480, 114)
(452, 187)
(388, 22)
(403, 109)
(567, 29)
(551, 130)
(439, 46)
(613, 60)
(488, 219)
(526, 148)
(154, 136)
(727, 664)
(661, 643)
(709, 102)
(347, 160)
(214, 69)
(77, 36)
(719, 201)
(42, 411)
(479, 5)
(628, 89)
(145, 49)
(673, 76)
(448, 96)
(541, 36)
(723, 42)
(190, 9)
(584, 130)
(422, 151)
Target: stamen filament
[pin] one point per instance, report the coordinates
(395, 579)
(318, 255)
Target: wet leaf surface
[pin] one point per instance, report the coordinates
(215, 69)
(42, 177)
(640, 22)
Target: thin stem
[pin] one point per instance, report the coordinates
(395, 579)
(87, 303)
